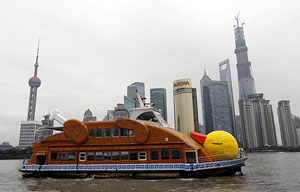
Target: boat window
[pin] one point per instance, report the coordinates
(147, 116)
(165, 154)
(99, 156)
(63, 156)
(175, 154)
(142, 156)
(82, 156)
(124, 155)
(107, 156)
(154, 155)
(99, 132)
(107, 132)
(124, 132)
(133, 155)
(115, 156)
(54, 156)
(91, 132)
(71, 156)
(91, 156)
(115, 132)
(131, 133)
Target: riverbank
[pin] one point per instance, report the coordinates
(14, 156)
(274, 149)
(16, 153)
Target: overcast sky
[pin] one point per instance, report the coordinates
(91, 50)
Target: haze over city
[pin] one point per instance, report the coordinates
(91, 51)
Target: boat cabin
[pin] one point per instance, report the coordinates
(123, 141)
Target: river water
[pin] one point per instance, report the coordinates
(274, 171)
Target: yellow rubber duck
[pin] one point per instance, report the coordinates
(222, 145)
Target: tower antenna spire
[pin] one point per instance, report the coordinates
(36, 65)
(237, 17)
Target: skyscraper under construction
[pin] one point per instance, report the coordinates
(246, 80)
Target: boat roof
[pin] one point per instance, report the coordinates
(155, 134)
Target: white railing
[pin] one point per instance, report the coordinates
(222, 157)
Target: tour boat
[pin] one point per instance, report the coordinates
(126, 147)
(142, 146)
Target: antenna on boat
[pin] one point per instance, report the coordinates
(140, 99)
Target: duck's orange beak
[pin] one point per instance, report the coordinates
(200, 138)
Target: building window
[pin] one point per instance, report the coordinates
(154, 155)
(124, 155)
(82, 156)
(99, 133)
(142, 156)
(131, 133)
(91, 156)
(115, 132)
(133, 155)
(63, 156)
(164, 154)
(107, 156)
(99, 156)
(124, 132)
(71, 156)
(54, 156)
(107, 132)
(115, 156)
(175, 154)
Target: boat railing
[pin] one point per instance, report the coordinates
(222, 157)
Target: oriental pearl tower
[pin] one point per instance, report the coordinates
(34, 83)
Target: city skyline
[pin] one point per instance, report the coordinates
(88, 65)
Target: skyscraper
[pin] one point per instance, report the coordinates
(46, 123)
(158, 97)
(257, 119)
(216, 106)
(204, 81)
(30, 130)
(245, 77)
(185, 114)
(296, 122)
(119, 112)
(287, 128)
(128, 104)
(136, 87)
(109, 116)
(225, 75)
(133, 88)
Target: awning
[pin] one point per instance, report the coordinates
(190, 150)
(41, 153)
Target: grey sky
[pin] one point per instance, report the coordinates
(91, 50)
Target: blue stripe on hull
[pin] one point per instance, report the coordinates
(135, 167)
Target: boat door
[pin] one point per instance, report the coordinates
(41, 158)
(190, 156)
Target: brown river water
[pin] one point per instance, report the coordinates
(272, 171)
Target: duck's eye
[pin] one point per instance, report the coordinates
(217, 143)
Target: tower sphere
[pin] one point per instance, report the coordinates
(34, 82)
